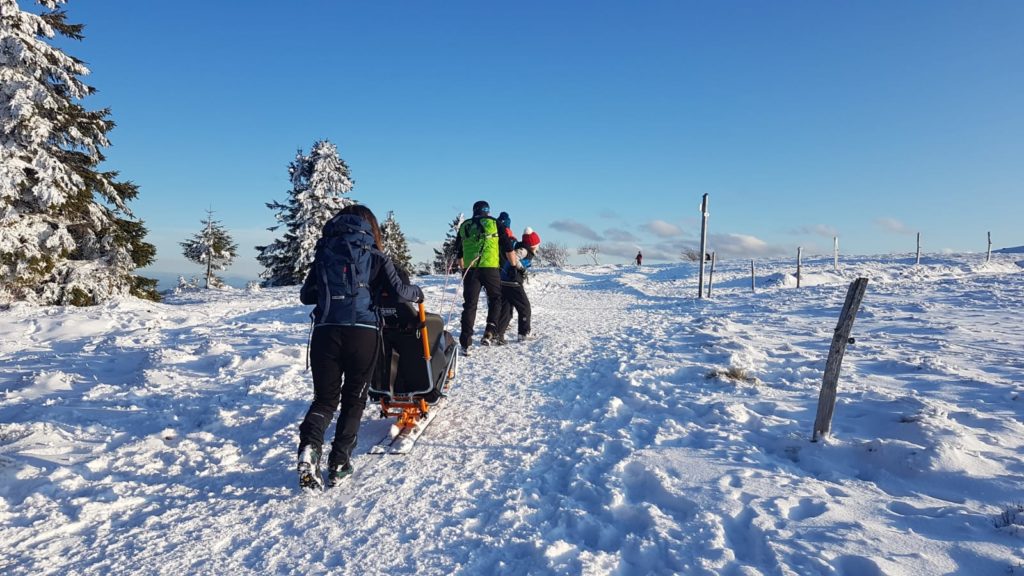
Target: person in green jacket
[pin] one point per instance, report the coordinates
(480, 242)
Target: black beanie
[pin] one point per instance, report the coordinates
(480, 208)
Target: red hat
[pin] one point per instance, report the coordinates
(530, 238)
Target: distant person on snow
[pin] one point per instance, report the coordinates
(348, 274)
(513, 294)
(481, 241)
(639, 258)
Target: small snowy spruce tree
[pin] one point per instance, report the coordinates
(395, 244)
(211, 247)
(444, 259)
(67, 235)
(318, 184)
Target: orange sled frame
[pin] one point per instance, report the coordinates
(411, 409)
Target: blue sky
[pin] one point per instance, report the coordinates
(587, 120)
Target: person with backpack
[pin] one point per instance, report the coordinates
(513, 294)
(481, 241)
(639, 258)
(348, 274)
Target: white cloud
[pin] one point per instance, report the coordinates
(893, 225)
(822, 230)
(619, 235)
(742, 245)
(670, 251)
(624, 249)
(573, 227)
(673, 250)
(663, 229)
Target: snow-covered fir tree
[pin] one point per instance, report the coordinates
(395, 244)
(319, 182)
(444, 259)
(67, 235)
(213, 248)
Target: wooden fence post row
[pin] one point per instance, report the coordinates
(829, 384)
(703, 243)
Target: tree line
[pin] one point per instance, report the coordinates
(67, 232)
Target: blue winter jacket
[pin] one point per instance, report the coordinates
(510, 274)
(361, 309)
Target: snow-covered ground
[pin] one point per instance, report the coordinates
(144, 438)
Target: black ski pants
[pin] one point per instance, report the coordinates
(490, 280)
(342, 359)
(513, 295)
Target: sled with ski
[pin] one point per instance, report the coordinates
(417, 366)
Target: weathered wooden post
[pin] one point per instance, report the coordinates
(918, 247)
(988, 258)
(703, 242)
(752, 288)
(799, 264)
(835, 253)
(827, 397)
(208, 250)
(711, 276)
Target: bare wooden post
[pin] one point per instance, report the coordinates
(209, 247)
(703, 243)
(711, 276)
(988, 258)
(752, 288)
(827, 397)
(918, 247)
(799, 264)
(835, 253)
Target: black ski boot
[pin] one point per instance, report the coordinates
(309, 468)
(338, 472)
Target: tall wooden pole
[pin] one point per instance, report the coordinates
(703, 242)
(918, 247)
(988, 258)
(752, 288)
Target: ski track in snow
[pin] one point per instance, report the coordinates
(160, 438)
